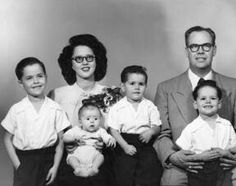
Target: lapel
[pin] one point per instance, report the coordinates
(226, 108)
(184, 99)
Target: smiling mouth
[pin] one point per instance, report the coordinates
(85, 69)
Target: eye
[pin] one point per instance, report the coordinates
(40, 75)
(132, 83)
(141, 84)
(28, 77)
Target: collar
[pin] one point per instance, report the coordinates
(194, 78)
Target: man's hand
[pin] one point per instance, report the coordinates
(228, 161)
(184, 160)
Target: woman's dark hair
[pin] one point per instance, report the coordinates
(133, 69)
(27, 62)
(207, 83)
(96, 46)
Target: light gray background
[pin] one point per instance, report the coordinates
(144, 32)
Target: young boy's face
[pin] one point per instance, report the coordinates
(207, 101)
(90, 119)
(34, 80)
(134, 87)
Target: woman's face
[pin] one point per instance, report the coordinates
(83, 62)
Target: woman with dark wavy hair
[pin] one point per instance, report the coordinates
(83, 63)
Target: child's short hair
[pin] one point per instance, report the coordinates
(87, 106)
(26, 62)
(207, 83)
(133, 69)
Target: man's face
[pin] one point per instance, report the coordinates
(200, 57)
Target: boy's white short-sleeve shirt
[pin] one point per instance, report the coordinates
(32, 129)
(124, 118)
(198, 136)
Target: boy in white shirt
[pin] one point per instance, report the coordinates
(34, 128)
(134, 122)
(86, 159)
(209, 135)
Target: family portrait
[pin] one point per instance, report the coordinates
(118, 93)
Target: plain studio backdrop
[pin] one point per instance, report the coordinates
(143, 32)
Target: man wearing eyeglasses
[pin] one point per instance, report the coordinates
(175, 103)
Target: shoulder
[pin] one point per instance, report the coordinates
(53, 104)
(174, 82)
(194, 125)
(19, 106)
(148, 102)
(122, 103)
(98, 88)
(223, 80)
(63, 89)
(62, 93)
(223, 121)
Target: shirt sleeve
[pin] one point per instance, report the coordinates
(232, 141)
(184, 140)
(112, 119)
(62, 121)
(9, 122)
(154, 116)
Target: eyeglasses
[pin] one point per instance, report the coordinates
(80, 59)
(206, 47)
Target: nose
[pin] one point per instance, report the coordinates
(208, 100)
(200, 50)
(36, 79)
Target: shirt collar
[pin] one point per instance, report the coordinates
(194, 78)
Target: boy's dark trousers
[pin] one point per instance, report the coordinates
(34, 166)
(211, 175)
(142, 169)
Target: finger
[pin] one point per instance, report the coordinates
(193, 164)
(188, 152)
(192, 170)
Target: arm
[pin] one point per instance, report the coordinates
(57, 158)
(207, 155)
(107, 138)
(128, 149)
(163, 145)
(11, 149)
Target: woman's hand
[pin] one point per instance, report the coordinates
(99, 145)
(111, 142)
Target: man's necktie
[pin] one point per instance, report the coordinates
(200, 81)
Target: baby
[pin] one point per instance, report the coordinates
(86, 159)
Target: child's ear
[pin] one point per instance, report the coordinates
(20, 82)
(122, 86)
(195, 104)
